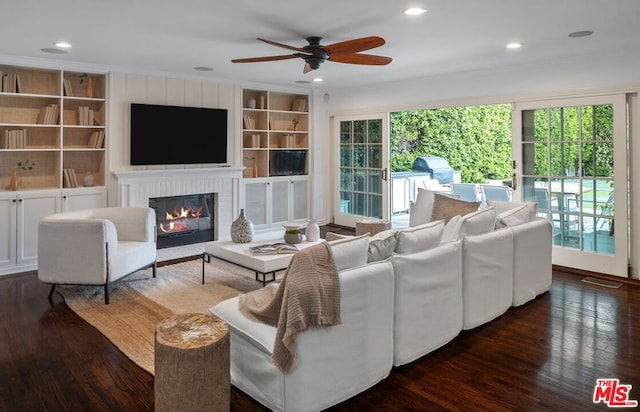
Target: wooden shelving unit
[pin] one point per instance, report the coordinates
(51, 139)
(272, 122)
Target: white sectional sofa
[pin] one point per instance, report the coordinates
(416, 290)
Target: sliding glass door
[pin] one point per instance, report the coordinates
(571, 158)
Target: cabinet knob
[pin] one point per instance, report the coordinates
(64, 197)
(14, 200)
(19, 200)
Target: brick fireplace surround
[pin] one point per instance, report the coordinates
(134, 188)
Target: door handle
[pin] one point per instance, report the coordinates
(514, 182)
(384, 174)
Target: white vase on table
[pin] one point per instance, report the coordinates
(313, 231)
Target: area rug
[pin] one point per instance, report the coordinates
(139, 302)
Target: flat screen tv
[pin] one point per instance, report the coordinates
(289, 162)
(169, 135)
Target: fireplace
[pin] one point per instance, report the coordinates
(185, 219)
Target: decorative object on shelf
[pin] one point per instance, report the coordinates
(251, 103)
(313, 231)
(13, 184)
(254, 165)
(292, 236)
(88, 181)
(242, 229)
(85, 79)
(295, 123)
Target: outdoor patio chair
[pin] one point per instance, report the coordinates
(467, 191)
(492, 192)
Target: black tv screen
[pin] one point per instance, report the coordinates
(169, 135)
(289, 162)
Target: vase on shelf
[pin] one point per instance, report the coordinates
(313, 231)
(292, 237)
(242, 229)
(13, 183)
(89, 90)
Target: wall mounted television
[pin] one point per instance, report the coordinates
(169, 135)
(288, 162)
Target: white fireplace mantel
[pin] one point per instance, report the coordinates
(135, 187)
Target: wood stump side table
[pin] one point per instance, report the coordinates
(192, 364)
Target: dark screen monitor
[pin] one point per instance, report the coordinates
(289, 162)
(168, 135)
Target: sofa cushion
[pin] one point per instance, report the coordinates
(445, 207)
(381, 246)
(350, 252)
(421, 210)
(479, 222)
(422, 237)
(502, 207)
(513, 217)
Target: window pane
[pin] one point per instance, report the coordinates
(375, 156)
(359, 131)
(346, 132)
(375, 131)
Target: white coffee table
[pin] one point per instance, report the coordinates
(239, 255)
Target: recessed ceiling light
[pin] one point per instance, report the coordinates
(583, 33)
(514, 45)
(317, 79)
(203, 69)
(415, 11)
(63, 45)
(53, 50)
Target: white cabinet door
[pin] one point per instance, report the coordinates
(299, 199)
(85, 198)
(255, 202)
(32, 207)
(8, 231)
(280, 201)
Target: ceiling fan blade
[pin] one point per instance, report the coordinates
(286, 46)
(307, 68)
(359, 58)
(355, 45)
(264, 59)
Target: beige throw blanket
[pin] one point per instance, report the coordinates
(309, 294)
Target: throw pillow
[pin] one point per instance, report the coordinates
(444, 207)
(479, 222)
(502, 207)
(451, 231)
(422, 237)
(381, 247)
(329, 236)
(513, 217)
(350, 252)
(421, 210)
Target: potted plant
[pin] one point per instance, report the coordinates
(292, 236)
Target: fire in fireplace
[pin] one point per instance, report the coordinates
(182, 220)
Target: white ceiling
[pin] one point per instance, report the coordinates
(172, 37)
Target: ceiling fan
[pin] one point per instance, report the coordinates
(315, 54)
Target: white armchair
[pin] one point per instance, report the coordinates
(96, 246)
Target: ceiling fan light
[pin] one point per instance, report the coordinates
(415, 11)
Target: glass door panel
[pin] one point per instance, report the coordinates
(363, 159)
(572, 162)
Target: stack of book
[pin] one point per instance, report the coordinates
(96, 139)
(15, 139)
(248, 122)
(10, 83)
(85, 116)
(299, 105)
(70, 179)
(68, 91)
(49, 114)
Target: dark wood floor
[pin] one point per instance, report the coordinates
(545, 355)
